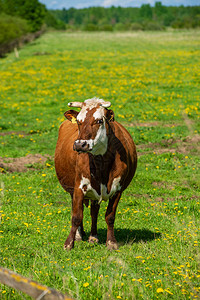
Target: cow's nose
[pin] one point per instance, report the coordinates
(81, 146)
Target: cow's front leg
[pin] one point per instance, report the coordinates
(93, 238)
(77, 218)
(110, 219)
(80, 231)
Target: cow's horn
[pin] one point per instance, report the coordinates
(75, 104)
(106, 104)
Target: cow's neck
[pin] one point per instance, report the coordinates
(101, 165)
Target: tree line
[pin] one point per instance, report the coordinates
(20, 17)
(21, 20)
(130, 18)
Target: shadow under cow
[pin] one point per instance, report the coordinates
(128, 236)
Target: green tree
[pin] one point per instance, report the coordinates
(11, 28)
(125, 18)
(31, 10)
(1, 6)
(159, 9)
(34, 12)
(51, 21)
(146, 12)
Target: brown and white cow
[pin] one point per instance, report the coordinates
(95, 160)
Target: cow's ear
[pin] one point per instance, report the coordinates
(110, 115)
(71, 115)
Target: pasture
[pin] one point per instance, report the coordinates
(152, 80)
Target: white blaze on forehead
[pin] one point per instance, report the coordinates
(82, 115)
(88, 105)
(99, 113)
(94, 102)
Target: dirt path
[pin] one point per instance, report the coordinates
(22, 164)
(188, 145)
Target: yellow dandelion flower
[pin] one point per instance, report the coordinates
(86, 284)
(166, 290)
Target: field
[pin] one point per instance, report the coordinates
(152, 80)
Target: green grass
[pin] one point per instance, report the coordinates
(152, 80)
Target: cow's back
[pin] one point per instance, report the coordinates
(65, 156)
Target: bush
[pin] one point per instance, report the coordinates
(91, 27)
(106, 27)
(122, 26)
(153, 26)
(119, 27)
(12, 28)
(136, 26)
(71, 28)
(186, 22)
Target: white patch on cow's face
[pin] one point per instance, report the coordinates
(90, 193)
(100, 142)
(82, 115)
(98, 145)
(99, 113)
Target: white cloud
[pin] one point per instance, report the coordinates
(107, 3)
(88, 3)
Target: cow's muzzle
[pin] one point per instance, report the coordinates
(81, 146)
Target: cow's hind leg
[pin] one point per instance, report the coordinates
(110, 219)
(93, 238)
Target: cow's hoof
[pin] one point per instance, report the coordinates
(93, 239)
(112, 245)
(69, 245)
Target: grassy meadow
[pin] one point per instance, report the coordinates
(152, 80)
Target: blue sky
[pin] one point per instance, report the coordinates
(59, 4)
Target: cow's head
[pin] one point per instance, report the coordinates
(93, 124)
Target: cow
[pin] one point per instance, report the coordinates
(95, 159)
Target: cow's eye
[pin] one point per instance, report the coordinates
(99, 121)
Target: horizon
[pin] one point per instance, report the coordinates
(79, 4)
